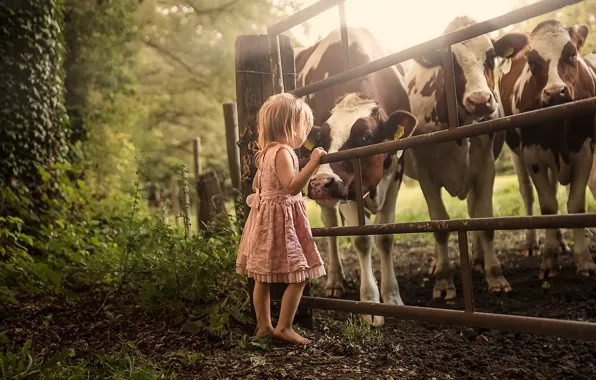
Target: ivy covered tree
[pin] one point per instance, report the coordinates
(34, 124)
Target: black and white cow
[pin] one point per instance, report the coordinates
(553, 72)
(465, 168)
(357, 113)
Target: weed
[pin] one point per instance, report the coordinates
(358, 332)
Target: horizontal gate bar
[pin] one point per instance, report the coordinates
(475, 30)
(476, 224)
(302, 16)
(525, 119)
(532, 325)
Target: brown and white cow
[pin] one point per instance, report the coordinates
(360, 112)
(465, 168)
(553, 72)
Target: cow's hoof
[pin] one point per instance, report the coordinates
(374, 320)
(531, 251)
(550, 265)
(496, 281)
(585, 265)
(444, 285)
(336, 292)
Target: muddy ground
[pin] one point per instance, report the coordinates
(342, 348)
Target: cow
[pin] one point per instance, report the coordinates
(465, 168)
(551, 72)
(360, 112)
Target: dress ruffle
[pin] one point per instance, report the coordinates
(286, 278)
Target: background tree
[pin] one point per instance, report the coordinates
(34, 124)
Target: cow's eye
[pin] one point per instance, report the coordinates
(367, 137)
(572, 58)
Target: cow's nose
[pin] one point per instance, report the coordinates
(324, 186)
(556, 94)
(480, 103)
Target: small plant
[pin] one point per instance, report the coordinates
(130, 363)
(25, 364)
(357, 332)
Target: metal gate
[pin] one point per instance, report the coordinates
(468, 317)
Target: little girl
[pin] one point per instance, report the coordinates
(277, 244)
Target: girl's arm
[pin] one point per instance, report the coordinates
(294, 183)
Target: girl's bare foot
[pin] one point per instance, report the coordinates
(265, 331)
(290, 336)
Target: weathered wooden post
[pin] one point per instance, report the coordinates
(231, 122)
(198, 170)
(212, 199)
(254, 85)
(186, 210)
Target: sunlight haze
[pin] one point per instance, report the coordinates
(401, 24)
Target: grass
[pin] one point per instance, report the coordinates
(507, 201)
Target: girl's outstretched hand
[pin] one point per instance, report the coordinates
(317, 154)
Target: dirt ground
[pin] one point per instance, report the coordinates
(342, 348)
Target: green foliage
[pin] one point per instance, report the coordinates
(130, 363)
(82, 242)
(24, 364)
(185, 71)
(99, 38)
(34, 123)
(71, 241)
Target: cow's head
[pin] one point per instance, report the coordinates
(474, 65)
(554, 64)
(355, 121)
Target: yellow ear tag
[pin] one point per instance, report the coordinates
(308, 144)
(508, 53)
(399, 133)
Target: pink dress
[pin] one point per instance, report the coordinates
(277, 243)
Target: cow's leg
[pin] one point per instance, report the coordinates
(532, 245)
(547, 196)
(577, 204)
(480, 205)
(335, 275)
(555, 184)
(437, 211)
(592, 186)
(369, 291)
(478, 251)
(384, 243)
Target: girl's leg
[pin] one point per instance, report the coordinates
(262, 302)
(289, 304)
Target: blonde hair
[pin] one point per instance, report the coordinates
(279, 120)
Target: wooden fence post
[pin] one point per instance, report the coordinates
(231, 122)
(186, 210)
(198, 169)
(212, 199)
(254, 85)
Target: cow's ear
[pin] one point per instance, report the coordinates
(511, 44)
(313, 138)
(400, 124)
(579, 34)
(429, 59)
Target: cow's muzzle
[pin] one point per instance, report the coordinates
(327, 189)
